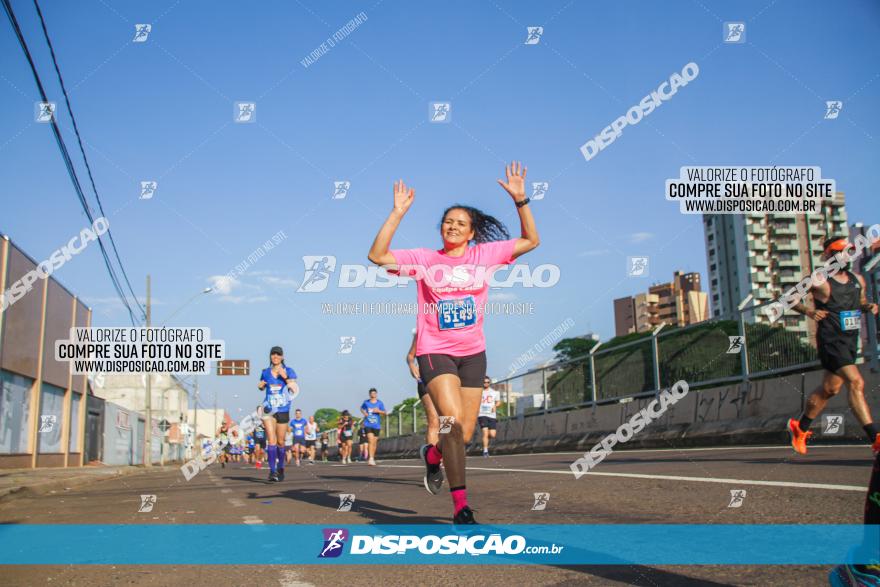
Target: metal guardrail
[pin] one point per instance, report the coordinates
(697, 353)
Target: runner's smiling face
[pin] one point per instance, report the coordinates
(456, 229)
(276, 359)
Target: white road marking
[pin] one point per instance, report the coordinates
(668, 478)
(225, 491)
(676, 450)
(236, 502)
(252, 520)
(291, 579)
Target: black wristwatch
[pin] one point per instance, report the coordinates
(523, 203)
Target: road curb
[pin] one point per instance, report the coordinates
(49, 485)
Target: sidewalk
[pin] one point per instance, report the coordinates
(27, 482)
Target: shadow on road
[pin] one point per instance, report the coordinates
(373, 511)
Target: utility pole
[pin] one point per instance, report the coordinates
(148, 408)
(196, 448)
(162, 423)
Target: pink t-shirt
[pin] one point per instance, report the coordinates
(452, 294)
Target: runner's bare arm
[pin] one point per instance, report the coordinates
(379, 252)
(411, 359)
(515, 186)
(864, 304)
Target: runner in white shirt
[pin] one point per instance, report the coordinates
(489, 402)
(311, 438)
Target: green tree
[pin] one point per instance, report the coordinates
(326, 418)
(572, 348)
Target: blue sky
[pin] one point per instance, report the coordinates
(162, 110)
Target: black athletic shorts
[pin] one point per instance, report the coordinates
(261, 442)
(421, 388)
(310, 443)
(837, 351)
(487, 422)
(299, 441)
(470, 369)
(375, 431)
(280, 417)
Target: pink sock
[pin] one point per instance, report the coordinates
(459, 499)
(434, 456)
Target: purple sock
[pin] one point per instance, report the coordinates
(271, 452)
(279, 452)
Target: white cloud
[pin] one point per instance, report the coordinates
(594, 253)
(640, 237)
(223, 284)
(244, 299)
(281, 281)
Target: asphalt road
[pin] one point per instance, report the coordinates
(637, 487)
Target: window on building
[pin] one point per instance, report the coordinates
(51, 414)
(74, 423)
(15, 411)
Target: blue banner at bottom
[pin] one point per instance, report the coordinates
(612, 544)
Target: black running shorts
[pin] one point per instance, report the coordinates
(280, 417)
(470, 369)
(837, 352)
(487, 422)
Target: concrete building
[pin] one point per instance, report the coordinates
(647, 311)
(677, 303)
(42, 405)
(208, 421)
(765, 255)
(169, 404)
(624, 316)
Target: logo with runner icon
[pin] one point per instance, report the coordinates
(446, 423)
(317, 272)
(346, 344)
(147, 503)
(734, 32)
(340, 189)
(735, 344)
(148, 189)
(440, 112)
(540, 189)
(737, 497)
(832, 424)
(533, 36)
(346, 501)
(47, 423)
(541, 500)
(832, 109)
(334, 541)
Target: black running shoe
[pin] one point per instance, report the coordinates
(433, 473)
(464, 516)
(273, 476)
(280, 475)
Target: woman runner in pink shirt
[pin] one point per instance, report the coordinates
(453, 286)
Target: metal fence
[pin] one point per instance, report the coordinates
(701, 354)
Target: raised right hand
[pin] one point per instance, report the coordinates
(403, 197)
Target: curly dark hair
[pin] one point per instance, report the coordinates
(487, 228)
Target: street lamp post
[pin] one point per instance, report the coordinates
(148, 404)
(164, 416)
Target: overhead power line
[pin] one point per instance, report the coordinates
(82, 151)
(65, 155)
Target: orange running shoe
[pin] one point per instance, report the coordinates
(798, 436)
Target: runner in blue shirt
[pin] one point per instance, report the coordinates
(372, 409)
(298, 425)
(279, 382)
